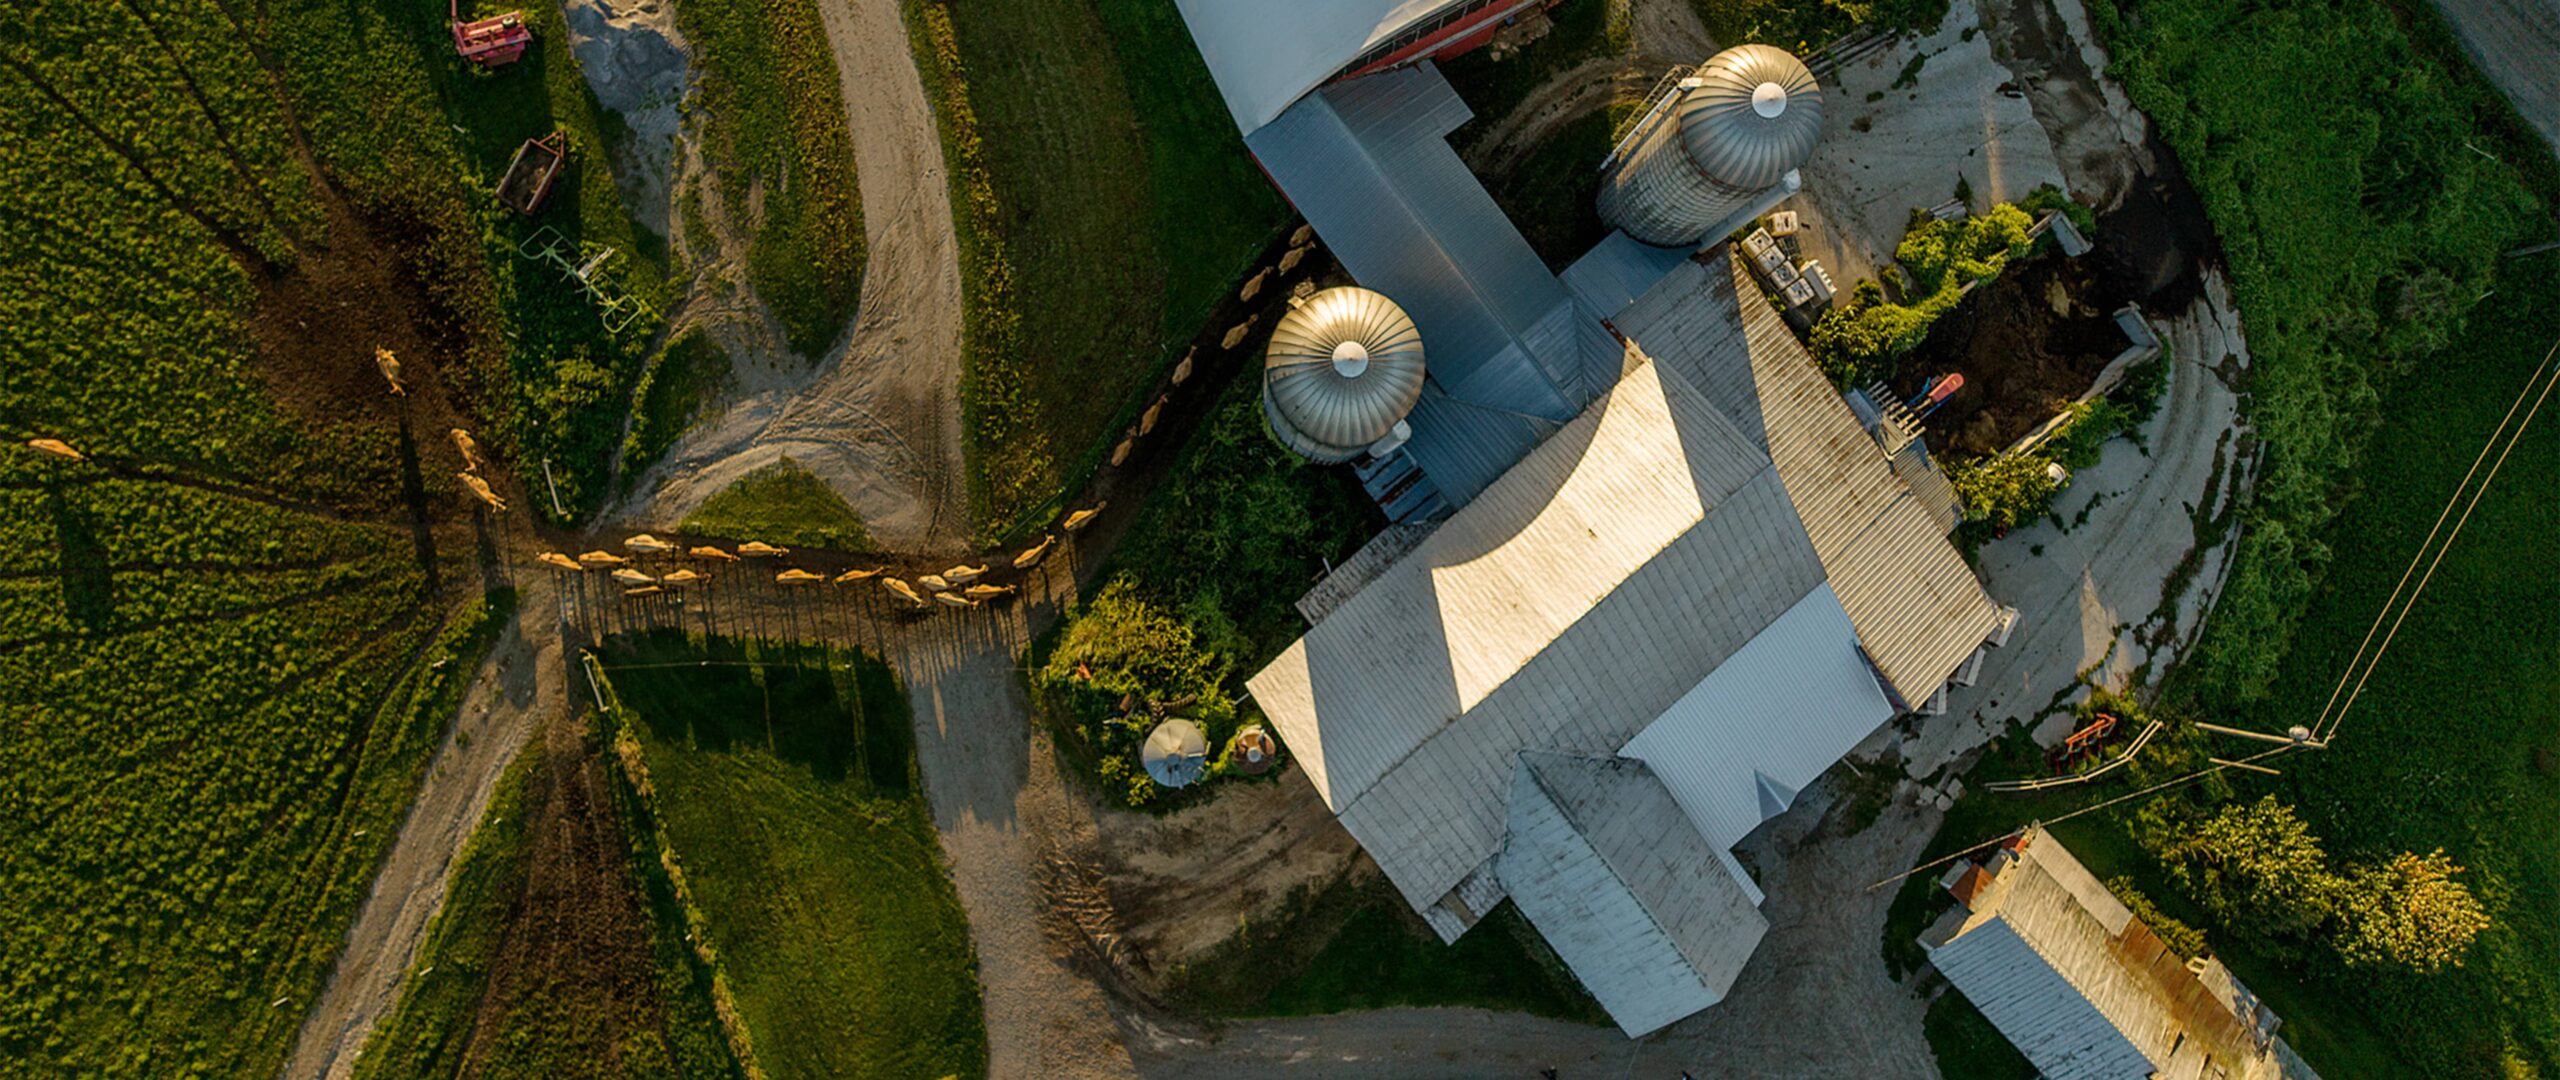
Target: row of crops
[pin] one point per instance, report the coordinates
(230, 640)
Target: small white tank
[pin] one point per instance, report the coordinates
(1750, 116)
(1343, 367)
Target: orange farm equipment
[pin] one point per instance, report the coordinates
(496, 41)
(528, 178)
(2082, 745)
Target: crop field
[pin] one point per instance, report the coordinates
(231, 637)
(1105, 201)
(786, 787)
(559, 951)
(776, 135)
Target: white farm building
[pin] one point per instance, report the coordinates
(1649, 573)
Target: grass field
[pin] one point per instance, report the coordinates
(776, 138)
(786, 780)
(1369, 951)
(781, 503)
(1553, 195)
(1104, 201)
(1199, 594)
(230, 640)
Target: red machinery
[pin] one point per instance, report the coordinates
(528, 177)
(492, 42)
(2082, 745)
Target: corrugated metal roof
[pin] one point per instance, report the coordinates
(2085, 990)
(1369, 164)
(1722, 749)
(1263, 54)
(1619, 269)
(1566, 607)
(1654, 921)
(1918, 609)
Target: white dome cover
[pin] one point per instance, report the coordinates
(1755, 114)
(1341, 369)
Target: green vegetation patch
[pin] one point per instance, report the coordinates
(785, 780)
(1803, 26)
(1553, 196)
(692, 372)
(781, 503)
(1104, 202)
(1200, 593)
(1861, 341)
(2356, 185)
(1355, 945)
(775, 133)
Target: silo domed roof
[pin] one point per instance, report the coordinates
(1755, 115)
(1343, 367)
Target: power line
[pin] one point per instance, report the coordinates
(2476, 495)
(2322, 722)
(2199, 774)
(2542, 375)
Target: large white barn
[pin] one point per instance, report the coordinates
(1650, 574)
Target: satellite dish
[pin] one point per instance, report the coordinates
(1255, 751)
(1176, 754)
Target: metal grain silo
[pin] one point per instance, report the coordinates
(1728, 134)
(1343, 368)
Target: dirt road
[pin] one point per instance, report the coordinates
(2089, 597)
(2516, 43)
(1783, 1018)
(879, 417)
(520, 682)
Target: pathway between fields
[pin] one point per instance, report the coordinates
(520, 683)
(879, 417)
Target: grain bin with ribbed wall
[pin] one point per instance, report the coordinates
(1344, 367)
(1726, 136)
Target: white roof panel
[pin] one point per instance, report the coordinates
(1268, 53)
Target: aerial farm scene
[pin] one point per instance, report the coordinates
(1969, 539)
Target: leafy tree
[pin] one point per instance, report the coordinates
(2185, 940)
(2408, 912)
(2258, 866)
(2004, 489)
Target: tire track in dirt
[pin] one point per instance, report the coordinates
(879, 418)
(523, 680)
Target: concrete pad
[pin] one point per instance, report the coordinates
(1861, 185)
(2089, 596)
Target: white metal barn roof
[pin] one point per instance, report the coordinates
(1658, 921)
(2084, 989)
(1265, 54)
(1712, 569)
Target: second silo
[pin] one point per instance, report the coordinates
(1344, 367)
(1728, 134)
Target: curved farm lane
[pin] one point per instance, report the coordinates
(519, 685)
(880, 421)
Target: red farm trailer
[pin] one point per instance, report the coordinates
(528, 178)
(496, 41)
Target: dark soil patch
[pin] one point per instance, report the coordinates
(2032, 340)
(2154, 247)
(318, 322)
(2028, 343)
(573, 981)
